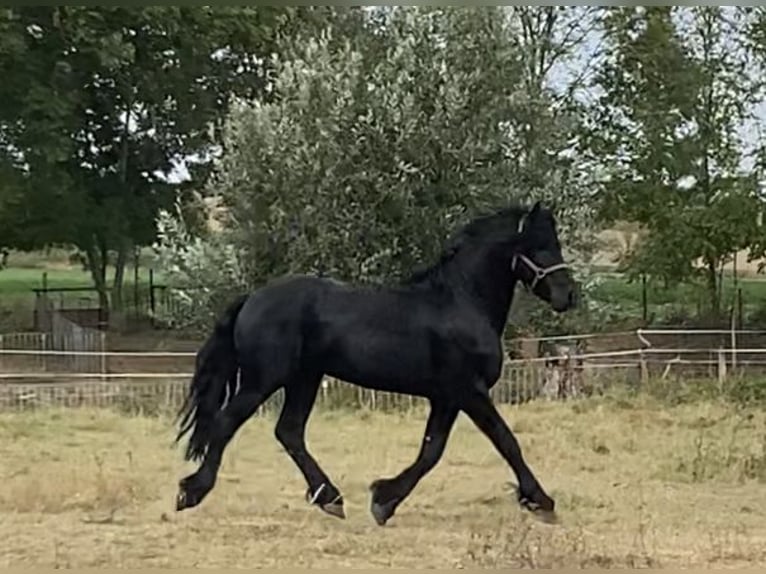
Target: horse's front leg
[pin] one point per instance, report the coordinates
(478, 406)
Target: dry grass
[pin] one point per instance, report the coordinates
(636, 484)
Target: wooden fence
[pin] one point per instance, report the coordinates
(32, 375)
(64, 347)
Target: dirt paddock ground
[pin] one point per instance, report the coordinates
(636, 484)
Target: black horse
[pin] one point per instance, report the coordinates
(436, 335)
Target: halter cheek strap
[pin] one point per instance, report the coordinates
(539, 272)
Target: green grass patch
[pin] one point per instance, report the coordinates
(683, 299)
(17, 298)
(41, 259)
(15, 280)
(24, 279)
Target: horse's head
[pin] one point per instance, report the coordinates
(538, 262)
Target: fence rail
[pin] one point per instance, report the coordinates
(55, 353)
(603, 355)
(33, 375)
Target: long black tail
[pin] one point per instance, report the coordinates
(216, 368)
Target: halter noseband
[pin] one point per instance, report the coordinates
(540, 272)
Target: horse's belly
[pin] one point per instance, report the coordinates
(405, 366)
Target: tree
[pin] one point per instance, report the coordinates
(375, 143)
(755, 34)
(204, 270)
(385, 132)
(384, 135)
(556, 60)
(675, 92)
(101, 103)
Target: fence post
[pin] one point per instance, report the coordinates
(644, 300)
(102, 335)
(152, 303)
(136, 257)
(721, 368)
(643, 369)
(733, 342)
(45, 347)
(740, 310)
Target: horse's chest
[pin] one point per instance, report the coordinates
(476, 354)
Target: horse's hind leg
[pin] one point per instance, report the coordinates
(290, 431)
(387, 494)
(194, 488)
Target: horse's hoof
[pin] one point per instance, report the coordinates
(545, 513)
(334, 508)
(185, 500)
(190, 493)
(181, 501)
(382, 512)
(546, 516)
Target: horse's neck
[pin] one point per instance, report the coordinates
(498, 313)
(490, 291)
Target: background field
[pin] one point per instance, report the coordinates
(17, 283)
(666, 304)
(637, 484)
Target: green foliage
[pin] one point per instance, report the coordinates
(99, 105)
(548, 159)
(748, 390)
(755, 34)
(202, 274)
(375, 145)
(676, 89)
(384, 134)
(360, 137)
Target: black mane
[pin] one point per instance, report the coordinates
(483, 227)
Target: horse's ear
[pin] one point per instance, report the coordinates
(525, 220)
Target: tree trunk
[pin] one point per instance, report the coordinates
(119, 275)
(96, 255)
(711, 273)
(124, 244)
